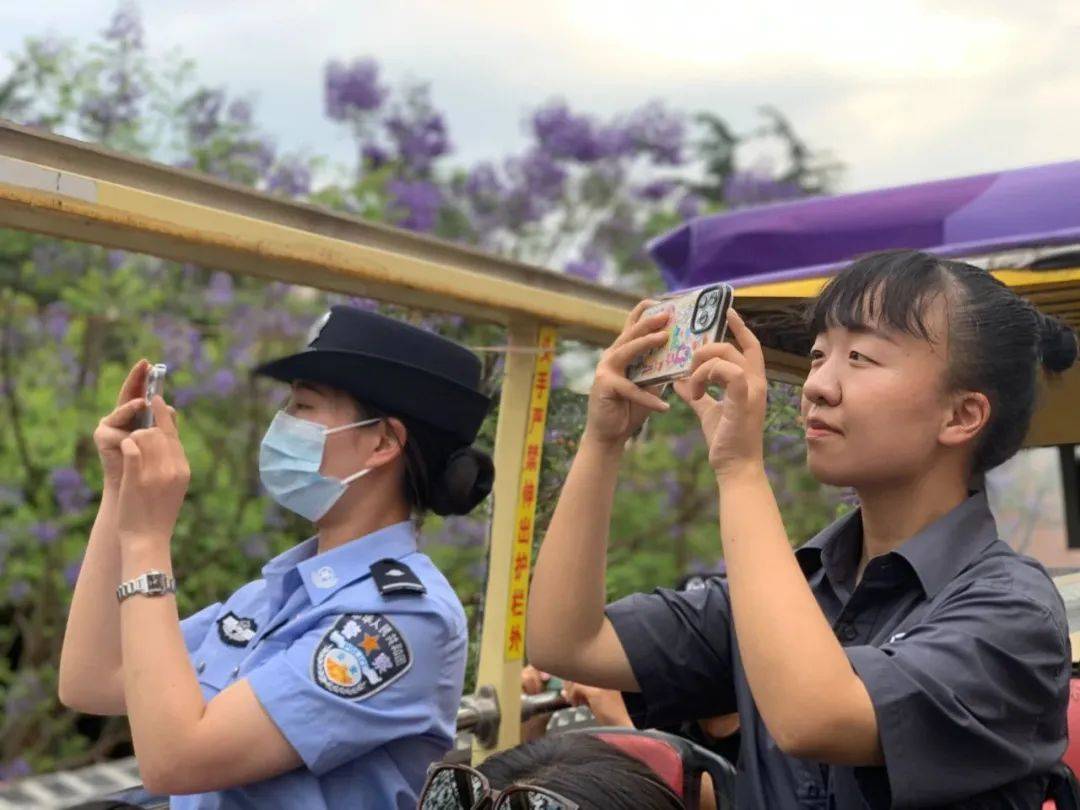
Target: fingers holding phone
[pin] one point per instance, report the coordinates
(618, 407)
(132, 405)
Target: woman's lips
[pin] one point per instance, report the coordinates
(816, 429)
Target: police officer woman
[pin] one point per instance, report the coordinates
(904, 657)
(334, 680)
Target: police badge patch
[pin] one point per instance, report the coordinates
(362, 654)
(235, 631)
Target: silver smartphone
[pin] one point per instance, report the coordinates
(155, 386)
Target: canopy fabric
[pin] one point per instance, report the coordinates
(965, 216)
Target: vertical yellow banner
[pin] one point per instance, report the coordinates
(521, 557)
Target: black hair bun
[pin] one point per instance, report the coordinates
(1057, 345)
(465, 481)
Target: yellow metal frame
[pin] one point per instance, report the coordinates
(64, 188)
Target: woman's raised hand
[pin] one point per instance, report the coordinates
(734, 425)
(118, 425)
(618, 407)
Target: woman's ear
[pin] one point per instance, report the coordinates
(969, 415)
(391, 443)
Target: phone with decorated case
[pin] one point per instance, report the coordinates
(699, 316)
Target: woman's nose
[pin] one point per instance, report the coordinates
(822, 387)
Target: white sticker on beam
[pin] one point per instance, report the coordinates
(16, 172)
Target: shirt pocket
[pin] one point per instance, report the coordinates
(216, 667)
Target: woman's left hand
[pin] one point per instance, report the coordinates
(155, 479)
(733, 426)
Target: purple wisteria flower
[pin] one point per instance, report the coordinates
(367, 304)
(47, 532)
(72, 493)
(352, 88)
(223, 382)
(589, 266)
(219, 292)
(239, 112)
(656, 190)
(562, 134)
(416, 203)
(181, 343)
(654, 130)
(689, 206)
(291, 177)
(684, 445)
(418, 132)
(482, 184)
(57, 320)
(541, 176)
(125, 27)
(15, 769)
(71, 572)
(758, 187)
(10, 495)
(203, 114)
(373, 156)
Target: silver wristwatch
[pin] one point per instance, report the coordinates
(152, 583)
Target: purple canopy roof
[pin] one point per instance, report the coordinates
(966, 216)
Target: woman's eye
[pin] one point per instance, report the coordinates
(859, 356)
(816, 354)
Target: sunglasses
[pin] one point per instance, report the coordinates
(459, 787)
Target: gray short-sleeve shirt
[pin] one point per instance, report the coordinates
(961, 642)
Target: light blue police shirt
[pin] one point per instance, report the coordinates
(365, 687)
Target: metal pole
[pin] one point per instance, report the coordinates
(494, 669)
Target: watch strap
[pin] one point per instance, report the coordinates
(152, 583)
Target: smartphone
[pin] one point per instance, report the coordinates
(155, 386)
(699, 316)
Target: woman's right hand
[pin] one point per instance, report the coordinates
(617, 407)
(119, 424)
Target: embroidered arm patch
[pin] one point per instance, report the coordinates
(363, 653)
(236, 631)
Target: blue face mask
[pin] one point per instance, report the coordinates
(289, 461)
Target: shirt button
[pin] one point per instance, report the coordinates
(236, 671)
(846, 632)
(201, 668)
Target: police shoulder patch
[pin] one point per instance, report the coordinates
(363, 653)
(236, 631)
(394, 577)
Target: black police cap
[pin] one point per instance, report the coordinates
(393, 366)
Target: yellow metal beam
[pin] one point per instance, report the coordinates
(73, 190)
(494, 668)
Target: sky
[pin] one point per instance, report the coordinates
(898, 92)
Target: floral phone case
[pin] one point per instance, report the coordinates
(700, 317)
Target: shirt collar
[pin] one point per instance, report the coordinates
(936, 554)
(940, 551)
(325, 574)
(834, 548)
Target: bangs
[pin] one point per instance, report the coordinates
(891, 290)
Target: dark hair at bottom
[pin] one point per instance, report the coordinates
(585, 770)
(441, 475)
(997, 340)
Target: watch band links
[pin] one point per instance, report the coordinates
(152, 583)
